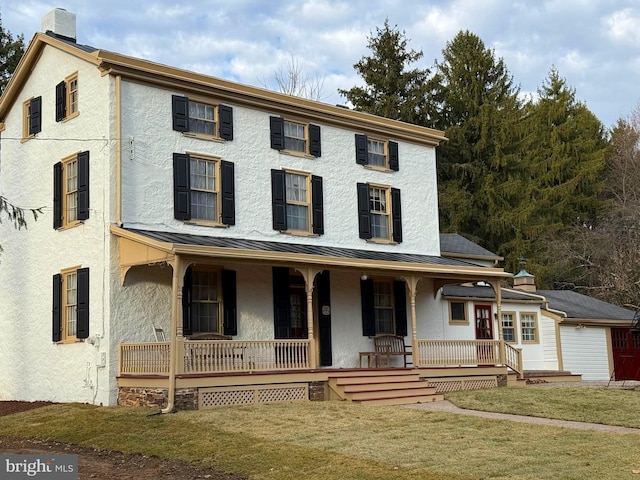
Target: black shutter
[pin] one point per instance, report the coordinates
(364, 214)
(229, 302)
(56, 309)
(180, 113)
(83, 185)
(368, 311)
(228, 192)
(186, 303)
(225, 114)
(362, 150)
(35, 116)
(323, 285)
(281, 309)
(314, 141)
(57, 195)
(181, 187)
(61, 101)
(400, 299)
(83, 303)
(393, 156)
(396, 213)
(276, 124)
(317, 205)
(278, 200)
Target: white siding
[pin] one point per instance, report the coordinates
(34, 368)
(584, 351)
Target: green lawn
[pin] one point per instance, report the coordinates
(321, 440)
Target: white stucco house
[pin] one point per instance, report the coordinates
(205, 242)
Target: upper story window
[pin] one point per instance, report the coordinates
(31, 117)
(67, 98)
(293, 137)
(379, 213)
(297, 203)
(384, 307)
(71, 305)
(529, 327)
(458, 313)
(71, 190)
(202, 119)
(204, 189)
(509, 327)
(376, 153)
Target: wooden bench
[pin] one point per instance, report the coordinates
(389, 346)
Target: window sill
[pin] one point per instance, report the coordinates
(530, 342)
(70, 117)
(382, 241)
(69, 341)
(453, 322)
(295, 153)
(378, 168)
(26, 139)
(205, 223)
(202, 136)
(67, 226)
(299, 233)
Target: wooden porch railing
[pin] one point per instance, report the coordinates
(443, 353)
(215, 356)
(221, 356)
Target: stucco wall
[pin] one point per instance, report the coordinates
(34, 368)
(148, 177)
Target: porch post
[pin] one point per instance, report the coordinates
(412, 284)
(309, 275)
(176, 311)
(495, 284)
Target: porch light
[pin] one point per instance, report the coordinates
(363, 276)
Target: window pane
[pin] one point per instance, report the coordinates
(458, 311)
(205, 305)
(204, 198)
(379, 226)
(383, 307)
(202, 118)
(376, 153)
(296, 187)
(294, 138)
(297, 217)
(71, 298)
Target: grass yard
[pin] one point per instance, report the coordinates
(320, 440)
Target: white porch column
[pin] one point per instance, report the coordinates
(412, 284)
(495, 284)
(309, 275)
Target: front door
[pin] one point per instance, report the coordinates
(484, 328)
(484, 331)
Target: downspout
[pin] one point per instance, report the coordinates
(176, 305)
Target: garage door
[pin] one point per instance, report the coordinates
(626, 354)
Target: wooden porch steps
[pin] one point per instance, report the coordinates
(383, 387)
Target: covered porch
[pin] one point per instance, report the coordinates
(332, 326)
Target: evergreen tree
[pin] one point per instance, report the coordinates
(391, 90)
(478, 108)
(11, 52)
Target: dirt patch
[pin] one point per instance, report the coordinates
(99, 464)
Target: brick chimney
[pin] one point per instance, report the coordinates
(60, 22)
(524, 281)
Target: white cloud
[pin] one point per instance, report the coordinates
(623, 26)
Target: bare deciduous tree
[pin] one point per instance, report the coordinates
(292, 80)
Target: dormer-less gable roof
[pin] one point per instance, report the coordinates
(586, 310)
(111, 63)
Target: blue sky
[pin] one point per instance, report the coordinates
(594, 44)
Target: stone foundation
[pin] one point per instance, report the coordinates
(317, 391)
(185, 398)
